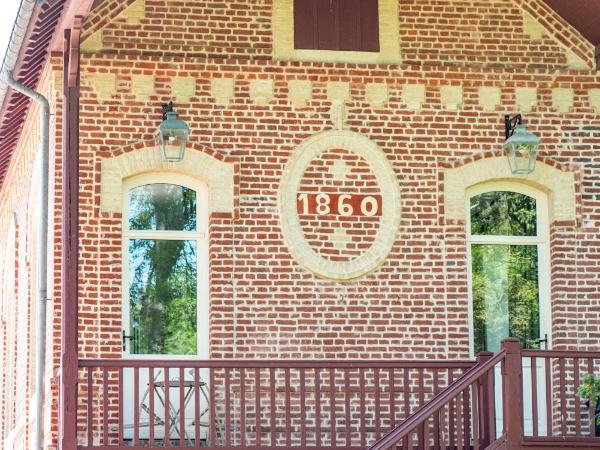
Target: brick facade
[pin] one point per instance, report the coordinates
(464, 65)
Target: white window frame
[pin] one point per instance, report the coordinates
(541, 239)
(200, 235)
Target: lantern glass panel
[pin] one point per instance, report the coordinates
(521, 157)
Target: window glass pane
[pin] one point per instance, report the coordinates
(162, 207)
(505, 295)
(503, 213)
(162, 296)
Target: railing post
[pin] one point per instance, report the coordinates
(485, 402)
(513, 393)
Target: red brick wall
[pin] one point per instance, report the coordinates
(263, 303)
(416, 303)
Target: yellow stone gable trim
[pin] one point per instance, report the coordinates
(283, 38)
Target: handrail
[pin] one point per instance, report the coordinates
(280, 363)
(448, 394)
(559, 353)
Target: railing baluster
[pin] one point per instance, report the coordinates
(534, 395)
(288, 408)
(212, 417)
(406, 392)
(332, 415)
(151, 414)
(459, 422)
(436, 416)
(347, 406)
(273, 410)
(451, 414)
(197, 409)
(549, 405)
(592, 407)
(136, 406)
(257, 407)
(168, 421)
(90, 408)
(228, 408)
(105, 405)
(181, 407)
(421, 435)
(377, 403)
(120, 402)
(466, 407)
(491, 400)
(363, 425)
(563, 400)
(318, 406)
(421, 379)
(476, 418)
(302, 408)
(242, 406)
(577, 399)
(392, 387)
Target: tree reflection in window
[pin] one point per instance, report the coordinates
(163, 271)
(505, 287)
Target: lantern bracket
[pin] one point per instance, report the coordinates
(167, 108)
(510, 124)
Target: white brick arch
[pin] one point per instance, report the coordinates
(198, 163)
(558, 185)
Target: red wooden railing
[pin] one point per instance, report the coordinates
(515, 399)
(551, 379)
(258, 404)
(463, 416)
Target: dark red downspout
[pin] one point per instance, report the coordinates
(70, 239)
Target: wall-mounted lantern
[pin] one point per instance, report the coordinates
(172, 135)
(521, 146)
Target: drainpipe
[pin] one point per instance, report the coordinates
(42, 259)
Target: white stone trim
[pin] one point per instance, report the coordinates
(558, 185)
(290, 222)
(217, 175)
(283, 38)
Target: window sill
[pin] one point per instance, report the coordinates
(334, 56)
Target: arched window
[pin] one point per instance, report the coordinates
(508, 266)
(165, 267)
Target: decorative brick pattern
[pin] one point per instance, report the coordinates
(562, 99)
(338, 92)
(105, 84)
(377, 95)
(261, 91)
(183, 88)
(489, 98)
(526, 99)
(222, 90)
(452, 97)
(142, 86)
(413, 95)
(300, 92)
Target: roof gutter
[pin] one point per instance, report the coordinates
(17, 37)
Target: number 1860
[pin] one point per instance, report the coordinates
(339, 204)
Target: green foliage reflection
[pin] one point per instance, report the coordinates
(503, 213)
(163, 273)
